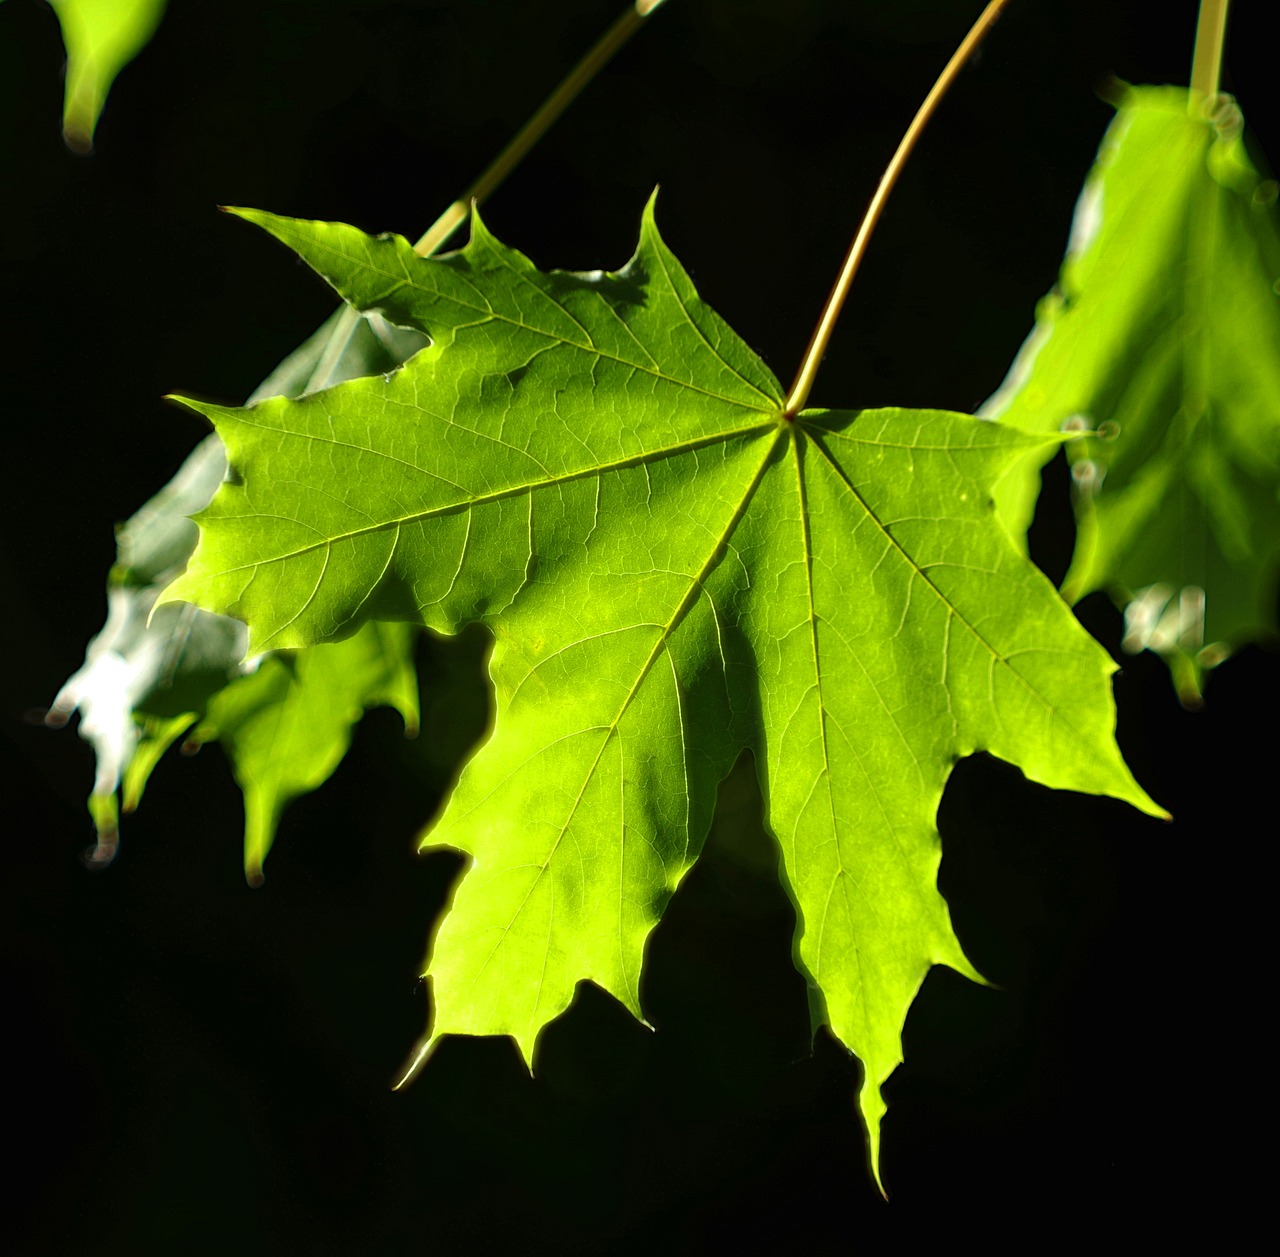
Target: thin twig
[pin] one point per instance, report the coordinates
(831, 311)
(538, 125)
(506, 161)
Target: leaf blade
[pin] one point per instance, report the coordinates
(1163, 337)
(687, 574)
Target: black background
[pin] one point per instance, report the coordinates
(196, 1067)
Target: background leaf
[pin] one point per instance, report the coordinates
(145, 677)
(287, 726)
(1163, 337)
(101, 37)
(150, 673)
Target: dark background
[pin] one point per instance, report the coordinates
(195, 1067)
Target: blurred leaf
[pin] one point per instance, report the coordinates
(101, 38)
(144, 667)
(1162, 340)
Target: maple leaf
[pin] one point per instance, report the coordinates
(596, 467)
(1163, 338)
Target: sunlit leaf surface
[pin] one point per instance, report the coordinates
(596, 467)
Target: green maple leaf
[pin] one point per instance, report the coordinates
(101, 38)
(596, 467)
(1163, 336)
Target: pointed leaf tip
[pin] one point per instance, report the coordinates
(100, 39)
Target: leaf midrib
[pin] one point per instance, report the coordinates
(600, 469)
(690, 596)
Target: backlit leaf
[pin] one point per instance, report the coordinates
(597, 468)
(1163, 339)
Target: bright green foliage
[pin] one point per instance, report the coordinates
(101, 38)
(287, 726)
(1163, 338)
(596, 467)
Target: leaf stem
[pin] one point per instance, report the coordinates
(799, 393)
(1206, 63)
(538, 125)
